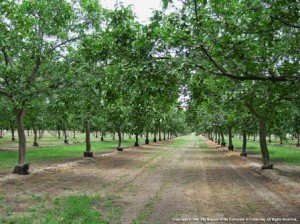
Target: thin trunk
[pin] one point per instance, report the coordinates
(254, 136)
(219, 139)
(164, 135)
(230, 146)
(114, 136)
(65, 135)
(74, 134)
(1, 133)
(270, 140)
(298, 140)
(35, 143)
(281, 140)
(168, 135)
(58, 131)
(28, 133)
(154, 139)
(87, 136)
(244, 147)
(136, 139)
(147, 138)
(119, 139)
(263, 143)
(102, 136)
(13, 134)
(159, 135)
(223, 139)
(22, 137)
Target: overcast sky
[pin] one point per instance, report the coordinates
(142, 8)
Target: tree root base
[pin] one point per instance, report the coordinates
(243, 154)
(36, 144)
(22, 170)
(223, 144)
(147, 141)
(298, 145)
(230, 147)
(66, 141)
(136, 144)
(88, 154)
(154, 140)
(267, 167)
(120, 149)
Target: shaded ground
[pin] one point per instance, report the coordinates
(166, 183)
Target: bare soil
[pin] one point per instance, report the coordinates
(162, 183)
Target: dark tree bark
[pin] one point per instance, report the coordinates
(164, 136)
(154, 139)
(1, 133)
(74, 134)
(244, 147)
(66, 141)
(136, 144)
(298, 140)
(102, 136)
(254, 136)
(223, 143)
(168, 135)
(281, 140)
(159, 135)
(230, 145)
(263, 144)
(147, 138)
(35, 142)
(88, 145)
(119, 148)
(270, 138)
(22, 167)
(12, 133)
(58, 131)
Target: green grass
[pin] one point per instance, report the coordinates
(8, 159)
(71, 209)
(283, 153)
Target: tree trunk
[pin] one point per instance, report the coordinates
(88, 145)
(35, 143)
(298, 141)
(74, 134)
(281, 140)
(263, 144)
(58, 131)
(136, 140)
(147, 138)
(154, 139)
(223, 143)
(270, 140)
(244, 147)
(119, 140)
(65, 135)
(22, 167)
(1, 133)
(164, 135)
(159, 135)
(254, 136)
(13, 134)
(230, 146)
(168, 135)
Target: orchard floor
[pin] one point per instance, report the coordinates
(167, 182)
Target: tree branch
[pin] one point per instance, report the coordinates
(65, 42)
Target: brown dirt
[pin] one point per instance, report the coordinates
(161, 183)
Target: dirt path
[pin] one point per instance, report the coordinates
(164, 183)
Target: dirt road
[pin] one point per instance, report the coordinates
(180, 181)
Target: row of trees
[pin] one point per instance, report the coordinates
(241, 62)
(68, 63)
(236, 61)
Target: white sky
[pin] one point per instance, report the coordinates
(142, 8)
